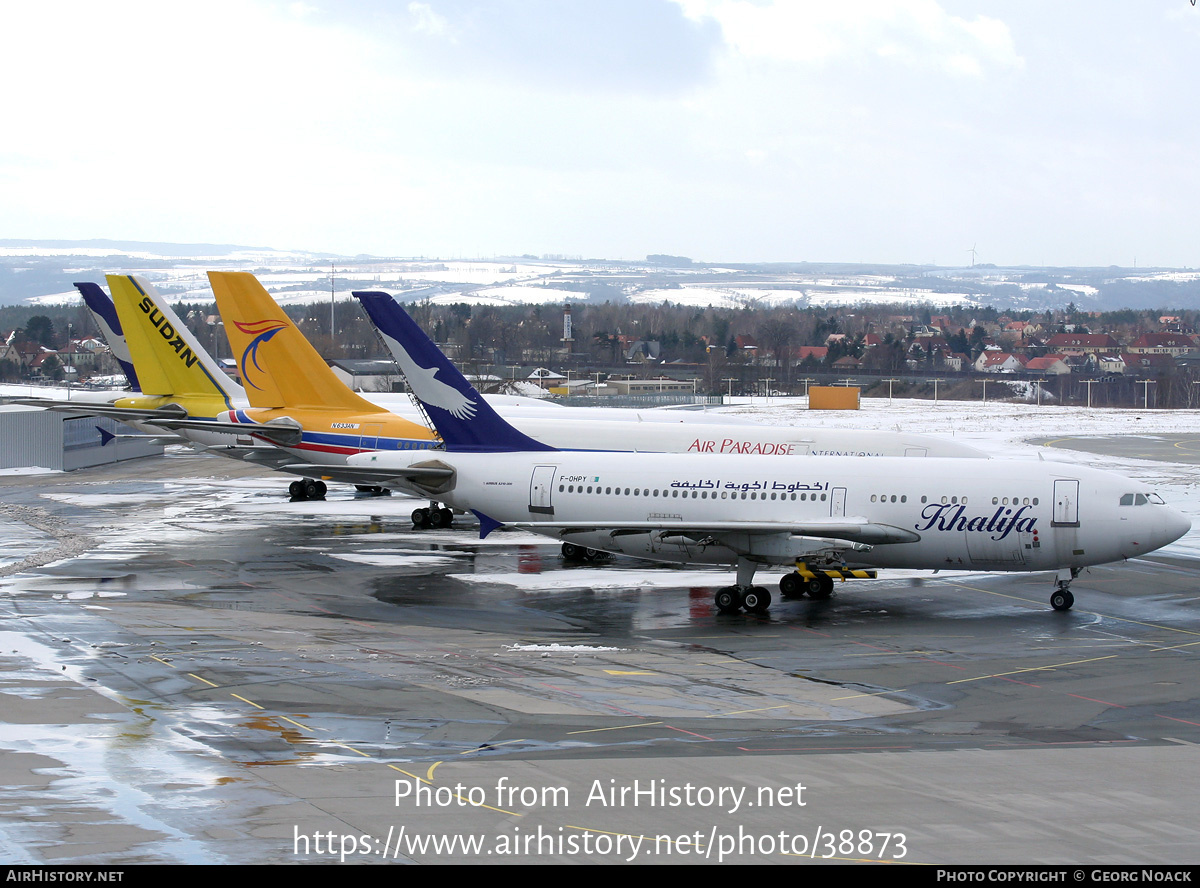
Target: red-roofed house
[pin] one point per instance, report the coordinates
(998, 362)
(1082, 343)
(1048, 365)
(1163, 344)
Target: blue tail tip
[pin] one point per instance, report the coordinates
(486, 524)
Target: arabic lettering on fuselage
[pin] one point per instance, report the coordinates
(784, 486)
(950, 517)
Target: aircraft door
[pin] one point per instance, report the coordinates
(916, 451)
(837, 502)
(541, 486)
(369, 437)
(1066, 503)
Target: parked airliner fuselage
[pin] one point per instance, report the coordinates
(961, 514)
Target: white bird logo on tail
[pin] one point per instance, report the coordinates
(429, 390)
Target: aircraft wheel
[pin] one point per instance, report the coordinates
(447, 517)
(311, 491)
(791, 586)
(594, 555)
(296, 490)
(756, 599)
(363, 488)
(727, 600)
(820, 586)
(437, 518)
(1062, 599)
(420, 518)
(572, 552)
(321, 489)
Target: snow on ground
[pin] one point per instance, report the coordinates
(518, 294)
(69, 297)
(557, 648)
(377, 558)
(1000, 427)
(698, 296)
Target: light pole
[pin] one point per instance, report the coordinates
(1145, 384)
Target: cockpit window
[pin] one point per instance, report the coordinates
(1139, 499)
(1157, 500)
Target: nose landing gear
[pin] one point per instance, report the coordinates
(1062, 599)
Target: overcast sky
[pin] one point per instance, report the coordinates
(879, 130)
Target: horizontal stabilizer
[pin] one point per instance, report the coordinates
(284, 432)
(147, 414)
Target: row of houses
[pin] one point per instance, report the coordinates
(927, 347)
(78, 359)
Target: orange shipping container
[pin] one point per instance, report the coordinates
(830, 397)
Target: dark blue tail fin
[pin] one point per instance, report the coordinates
(105, 313)
(461, 416)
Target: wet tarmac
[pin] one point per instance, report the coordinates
(1182, 448)
(224, 676)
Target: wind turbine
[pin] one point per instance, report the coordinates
(972, 252)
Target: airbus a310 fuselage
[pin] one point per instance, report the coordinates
(828, 512)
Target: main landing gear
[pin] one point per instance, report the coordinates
(307, 489)
(817, 583)
(433, 517)
(755, 599)
(794, 586)
(1062, 599)
(572, 552)
(731, 599)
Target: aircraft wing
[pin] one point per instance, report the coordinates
(854, 530)
(264, 454)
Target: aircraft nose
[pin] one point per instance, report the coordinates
(1167, 526)
(1175, 525)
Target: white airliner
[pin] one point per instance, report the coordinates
(826, 515)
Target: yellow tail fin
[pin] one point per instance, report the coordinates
(279, 367)
(164, 352)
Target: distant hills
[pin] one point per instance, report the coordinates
(41, 271)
